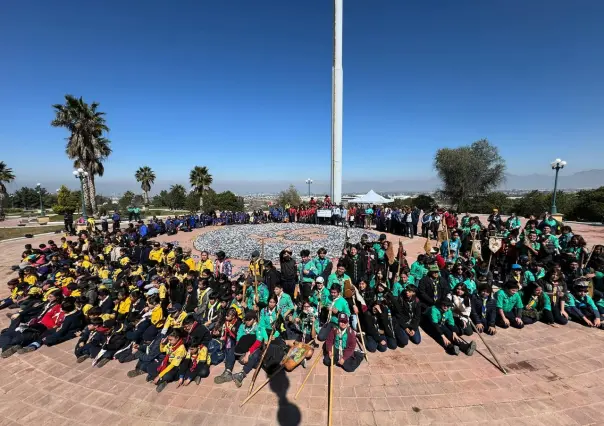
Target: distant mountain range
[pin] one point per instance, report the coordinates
(579, 180)
(107, 186)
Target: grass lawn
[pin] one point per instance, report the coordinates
(6, 233)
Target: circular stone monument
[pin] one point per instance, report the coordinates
(239, 241)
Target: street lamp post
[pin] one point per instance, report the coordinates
(308, 182)
(557, 164)
(39, 186)
(82, 174)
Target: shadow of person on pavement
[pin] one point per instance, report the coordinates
(288, 414)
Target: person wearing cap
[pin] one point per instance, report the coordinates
(581, 306)
(174, 319)
(319, 298)
(432, 288)
(342, 342)
(222, 265)
(509, 306)
(441, 325)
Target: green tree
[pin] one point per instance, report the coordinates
(6, 176)
(28, 198)
(536, 203)
(230, 202)
(469, 171)
(588, 206)
(126, 200)
(146, 177)
(489, 201)
(66, 200)
(162, 199)
(177, 196)
(86, 144)
(289, 197)
(423, 202)
(200, 180)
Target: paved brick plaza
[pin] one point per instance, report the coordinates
(555, 377)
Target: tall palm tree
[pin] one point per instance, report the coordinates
(200, 180)
(86, 144)
(146, 177)
(6, 176)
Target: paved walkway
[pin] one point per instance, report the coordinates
(555, 378)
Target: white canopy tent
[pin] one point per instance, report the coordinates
(371, 197)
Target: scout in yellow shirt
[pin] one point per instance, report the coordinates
(174, 348)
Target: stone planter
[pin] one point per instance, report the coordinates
(43, 220)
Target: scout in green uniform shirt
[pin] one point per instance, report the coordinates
(248, 326)
(507, 300)
(322, 263)
(250, 295)
(338, 277)
(337, 304)
(320, 294)
(307, 271)
(285, 305)
(268, 316)
(438, 316)
(418, 270)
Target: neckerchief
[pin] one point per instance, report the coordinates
(436, 295)
(484, 307)
(171, 350)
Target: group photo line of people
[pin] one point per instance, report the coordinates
(121, 296)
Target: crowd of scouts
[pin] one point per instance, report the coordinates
(121, 297)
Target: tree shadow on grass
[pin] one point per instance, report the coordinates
(288, 414)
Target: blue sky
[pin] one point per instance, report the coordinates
(243, 87)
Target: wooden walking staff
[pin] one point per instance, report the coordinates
(354, 300)
(314, 364)
(488, 347)
(331, 368)
(259, 366)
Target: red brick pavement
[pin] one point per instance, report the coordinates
(554, 379)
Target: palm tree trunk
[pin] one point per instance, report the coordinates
(1, 203)
(92, 190)
(86, 194)
(146, 198)
(201, 202)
